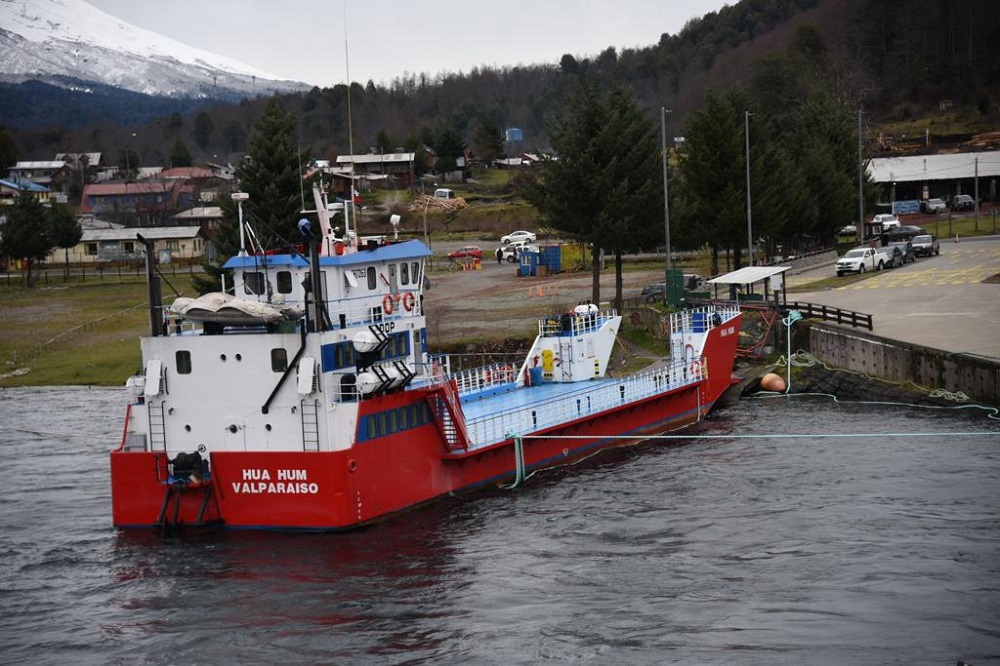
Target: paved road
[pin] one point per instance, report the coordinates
(940, 302)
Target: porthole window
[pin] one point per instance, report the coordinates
(183, 361)
(279, 359)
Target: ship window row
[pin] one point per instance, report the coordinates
(341, 355)
(409, 273)
(391, 421)
(279, 360)
(256, 283)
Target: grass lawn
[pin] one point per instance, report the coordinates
(84, 333)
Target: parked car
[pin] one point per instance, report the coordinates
(862, 259)
(925, 245)
(895, 253)
(654, 292)
(887, 220)
(512, 251)
(515, 236)
(933, 206)
(963, 202)
(467, 252)
(906, 250)
(901, 233)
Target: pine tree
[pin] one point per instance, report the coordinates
(604, 187)
(270, 174)
(26, 235)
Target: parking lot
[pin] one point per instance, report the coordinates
(945, 302)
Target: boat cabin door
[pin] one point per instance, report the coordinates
(393, 280)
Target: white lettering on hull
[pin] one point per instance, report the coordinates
(275, 488)
(290, 482)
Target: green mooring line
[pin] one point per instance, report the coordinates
(777, 435)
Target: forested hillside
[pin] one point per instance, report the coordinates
(897, 59)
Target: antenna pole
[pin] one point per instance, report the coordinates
(349, 199)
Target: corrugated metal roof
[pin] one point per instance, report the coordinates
(749, 275)
(152, 233)
(199, 212)
(39, 164)
(922, 168)
(375, 158)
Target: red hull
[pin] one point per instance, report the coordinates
(344, 489)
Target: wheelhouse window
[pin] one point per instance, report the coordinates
(404, 274)
(415, 272)
(279, 359)
(372, 282)
(284, 282)
(254, 282)
(183, 361)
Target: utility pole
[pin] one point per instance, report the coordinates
(861, 181)
(746, 123)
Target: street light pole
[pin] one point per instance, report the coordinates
(746, 122)
(666, 197)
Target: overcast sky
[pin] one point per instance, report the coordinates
(304, 40)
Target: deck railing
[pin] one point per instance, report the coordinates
(589, 399)
(828, 313)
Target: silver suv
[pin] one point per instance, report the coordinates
(925, 245)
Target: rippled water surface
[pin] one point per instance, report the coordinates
(756, 542)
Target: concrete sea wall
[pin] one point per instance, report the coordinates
(978, 377)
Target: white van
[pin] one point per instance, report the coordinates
(443, 193)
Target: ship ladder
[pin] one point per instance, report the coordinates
(157, 427)
(169, 520)
(310, 425)
(446, 408)
(566, 360)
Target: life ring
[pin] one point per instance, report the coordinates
(387, 304)
(408, 301)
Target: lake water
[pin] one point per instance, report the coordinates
(754, 541)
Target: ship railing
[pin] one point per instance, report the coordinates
(485, 378)
(702, 319)
(343, 313)
(590, 399)
(573, 323)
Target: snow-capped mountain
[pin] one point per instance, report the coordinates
(64, 41)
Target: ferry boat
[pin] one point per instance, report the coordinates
(308, 399)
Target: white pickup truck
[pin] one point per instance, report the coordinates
(862, 259)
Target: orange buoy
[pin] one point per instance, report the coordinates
(773, 382)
